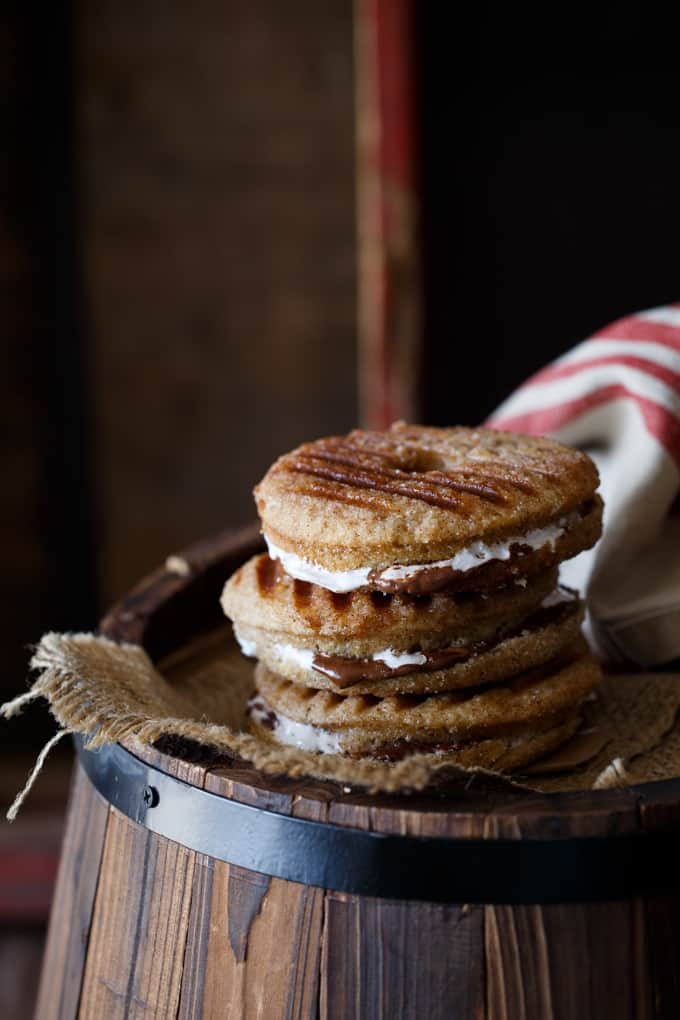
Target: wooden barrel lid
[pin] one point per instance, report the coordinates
(180, 601)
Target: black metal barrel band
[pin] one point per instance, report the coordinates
(439, 870)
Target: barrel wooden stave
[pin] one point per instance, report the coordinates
(71, 914)
(143, 927)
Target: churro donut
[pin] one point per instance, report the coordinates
(417, 510)
(520, 709)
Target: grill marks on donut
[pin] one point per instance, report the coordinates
(369, 500)
(361, 472)
(267, 572)
(555, 687)
(302, 594)
(388, 481)
(311, 600)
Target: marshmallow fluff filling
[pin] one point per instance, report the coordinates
(304, 657)
(469, 558)
(312, 738)
(295, 734)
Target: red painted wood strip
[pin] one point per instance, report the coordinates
(390, 271)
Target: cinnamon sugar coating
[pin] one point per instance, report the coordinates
(529, 699)
(415, 495)
(502, 754)
(261, 595)
(485, 663)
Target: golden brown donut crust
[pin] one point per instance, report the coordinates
(525, 700)
(261, 595)
(413, 494)
(503, 754)
(510, 656)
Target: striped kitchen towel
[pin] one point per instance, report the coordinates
(617, 396)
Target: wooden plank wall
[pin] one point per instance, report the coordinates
(177, 266)
(217, 225)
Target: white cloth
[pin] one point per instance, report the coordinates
(617, 396)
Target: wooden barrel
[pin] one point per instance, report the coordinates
(200, 888)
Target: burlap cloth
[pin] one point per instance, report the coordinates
(111, 692)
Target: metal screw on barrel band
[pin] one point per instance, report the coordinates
(150, 796)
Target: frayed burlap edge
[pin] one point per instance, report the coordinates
(111, 692)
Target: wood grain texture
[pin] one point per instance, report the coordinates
(659, 810)
(198, 940)
(139, 925)
(566, 962)
(262, 958)
(264, 961)
(71, 916)
(200, 915)
(388, 207)
(407, 960)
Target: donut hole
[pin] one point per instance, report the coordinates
(419, 461)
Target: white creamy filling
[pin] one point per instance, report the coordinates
(306, 737)
(466, 559)
(304, 657)
(396, 659)
(337, 581)
(247, 646)
(481, 552)
(296, 734)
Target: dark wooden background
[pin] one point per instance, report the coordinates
(178, 268)
(177, 259)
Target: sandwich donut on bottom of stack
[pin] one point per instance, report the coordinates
(502, 725)
(410, 603)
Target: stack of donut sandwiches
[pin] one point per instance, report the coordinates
(409, 601)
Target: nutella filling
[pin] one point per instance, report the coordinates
(426, 578)
(345, 671)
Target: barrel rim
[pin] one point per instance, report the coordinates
(398, 867)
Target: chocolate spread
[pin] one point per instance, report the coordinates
(426, 580)
(346, 672)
